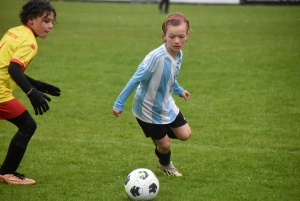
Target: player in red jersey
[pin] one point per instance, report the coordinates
(17, 48)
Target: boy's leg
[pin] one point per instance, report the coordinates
(163, 152)
(167, 2)
(160, 5)
(181, 128)
(19, 142)
(160, 136)
(17, 148)
(183, 133)
(178, 129)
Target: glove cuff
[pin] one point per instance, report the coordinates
(29, 91)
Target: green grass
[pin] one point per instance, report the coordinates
(241, 65)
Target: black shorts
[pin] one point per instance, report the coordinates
(159, 131)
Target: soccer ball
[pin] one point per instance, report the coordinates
(141, 184)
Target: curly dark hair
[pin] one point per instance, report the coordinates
(35, 8)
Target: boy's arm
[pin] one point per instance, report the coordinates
(178, 90)
(37, 99)
(15, 71)
(128, 89)
(141, 75)
(44, 87)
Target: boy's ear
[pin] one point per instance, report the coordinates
(30, 20)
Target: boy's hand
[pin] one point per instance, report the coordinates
(38, 101)
(47, 88)
(186, 95)
(117, 113)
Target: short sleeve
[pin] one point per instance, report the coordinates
(24, 54)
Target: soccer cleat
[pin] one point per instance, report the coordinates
(16, 178)
(169, 170)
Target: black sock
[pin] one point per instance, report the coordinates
(15, 154)
(2, 172)
(19, 142)
(164, 159)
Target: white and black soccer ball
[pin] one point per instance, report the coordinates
(141, 184)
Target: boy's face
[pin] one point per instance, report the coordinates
(42, 25)
(175, 38)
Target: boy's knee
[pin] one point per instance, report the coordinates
(33, 126)
(164, 147)
(185, 136)
(28, 128)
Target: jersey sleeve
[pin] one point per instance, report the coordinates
(24, 54)
(142, 74)
(139, 76)
(178, 90)
(128, 89)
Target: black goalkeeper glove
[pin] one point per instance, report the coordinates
(38, 101)
(44, 87)
(47, 88)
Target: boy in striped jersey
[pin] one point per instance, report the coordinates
(17, 49)
(156, 79)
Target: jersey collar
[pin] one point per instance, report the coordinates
(30, 29)
(178, 57)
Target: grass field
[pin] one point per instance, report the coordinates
(241, 65)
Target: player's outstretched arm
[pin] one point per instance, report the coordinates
(15, 71)
(38, 99)
(44, 87)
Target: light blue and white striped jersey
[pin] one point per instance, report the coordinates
(156, 81)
